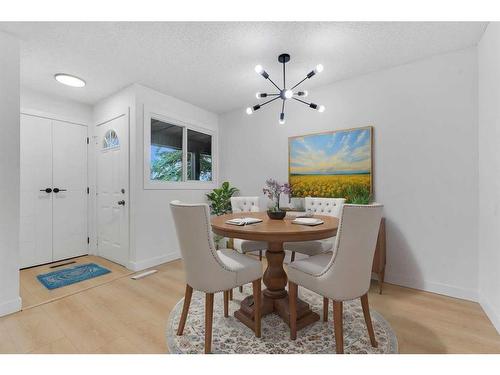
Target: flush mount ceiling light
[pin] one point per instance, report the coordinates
(69, 80)
(284, 93)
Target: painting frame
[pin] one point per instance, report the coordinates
(370, 130)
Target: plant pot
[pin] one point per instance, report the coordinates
(276, 215)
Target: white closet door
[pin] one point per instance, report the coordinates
(36, 204)
(69, 190)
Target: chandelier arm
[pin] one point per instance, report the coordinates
(275, 85)
(284, 80)
(298, 83)
(302, 101)
(269, 101)
(283, 107)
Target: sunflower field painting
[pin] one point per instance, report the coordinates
(335, 164)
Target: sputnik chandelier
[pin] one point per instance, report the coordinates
(285, 93)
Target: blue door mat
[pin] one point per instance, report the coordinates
(68, 276)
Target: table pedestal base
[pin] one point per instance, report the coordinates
(281, 306)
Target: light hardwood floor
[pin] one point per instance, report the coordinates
(33, 293)
(129, 316)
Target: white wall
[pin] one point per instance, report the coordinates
(9, 172)
(51, 106)
(489, 172)
(425, 160)
(152, 234)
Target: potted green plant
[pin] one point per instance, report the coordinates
(219, 201)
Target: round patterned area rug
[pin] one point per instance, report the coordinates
(231, 336)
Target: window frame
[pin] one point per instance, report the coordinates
(185, 124)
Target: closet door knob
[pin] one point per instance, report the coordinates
(48, 190)
(57, 190)
(121, 203)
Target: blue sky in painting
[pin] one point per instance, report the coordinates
(342, 152)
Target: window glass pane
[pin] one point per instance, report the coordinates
(166, 151)
(110, 140)
(199, 156)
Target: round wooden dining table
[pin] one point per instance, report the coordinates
(275, 233)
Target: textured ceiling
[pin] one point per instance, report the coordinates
(211, 64)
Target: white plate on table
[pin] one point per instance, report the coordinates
(311, 221)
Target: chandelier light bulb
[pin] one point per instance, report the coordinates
(282, 118)
(259, 69)
(321, 108)
(249, 111)
(257, 95)
(288, 94)
(318, 69)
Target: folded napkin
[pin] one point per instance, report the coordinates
(243, 221)
(307, 221)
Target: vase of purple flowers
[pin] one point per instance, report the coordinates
(273, 191)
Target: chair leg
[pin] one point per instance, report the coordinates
(185, 309)
(226, 303)
(257, 299)
(368, 319)
(241, 289)
(325, 309)
(292, 299)
(260, 255)
(381, 276)
(338, 326)
(293, 257)
(231, 294)
(209, 313)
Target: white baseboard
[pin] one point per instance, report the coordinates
(447, 290)
(493, 315)
(10, 306)
(151, 262)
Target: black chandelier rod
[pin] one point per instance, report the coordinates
(299, 83)
(275, 85)
(302, 101)
(255, 107)
(269, 101)
(284, 80)
(310, 105)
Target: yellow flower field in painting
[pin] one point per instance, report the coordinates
(331, 186)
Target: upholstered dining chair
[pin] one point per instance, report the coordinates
(318, 206)
(210, 270)
(247, 204)
(342, 275)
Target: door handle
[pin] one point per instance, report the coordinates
(48, 190)
(57, 190)
(121, 203)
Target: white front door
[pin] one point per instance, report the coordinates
(36, 203)
(69, 190)
(113, 190)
